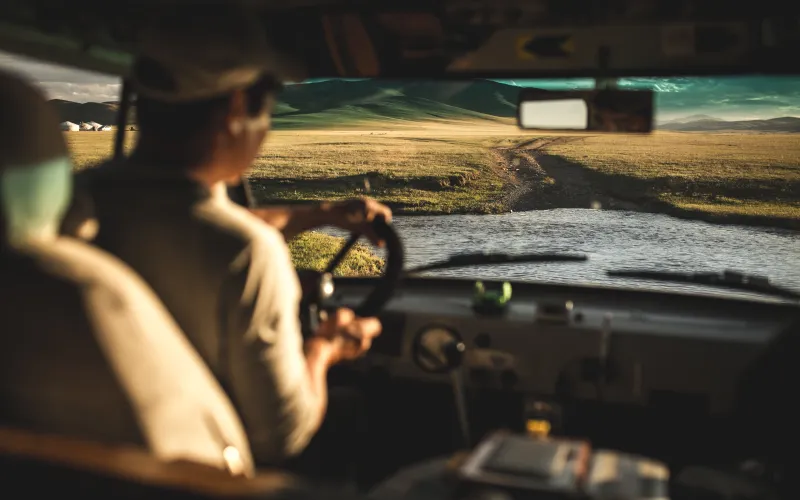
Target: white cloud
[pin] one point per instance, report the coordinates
(61, 82)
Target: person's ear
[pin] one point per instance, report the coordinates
(260, 123)
(237, 114)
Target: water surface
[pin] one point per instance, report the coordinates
(611, 239)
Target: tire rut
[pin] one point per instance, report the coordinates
(538, 180)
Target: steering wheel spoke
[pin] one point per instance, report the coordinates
(381, 293)
(342, 253)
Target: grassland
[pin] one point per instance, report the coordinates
(310, 250)
(440, 169)
(313, 250)
(91, 148)
(744, 177)
(445, 167)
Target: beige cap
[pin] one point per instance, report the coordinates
(203, 52)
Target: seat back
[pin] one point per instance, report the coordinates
(87, 350)
(34, 465)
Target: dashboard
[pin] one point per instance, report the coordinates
(612, 345)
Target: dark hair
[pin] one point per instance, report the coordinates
(185, 122)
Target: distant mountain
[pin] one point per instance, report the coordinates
(343, 103)
(104, 113)
(336, 103)
(784, 124)
(693, 118)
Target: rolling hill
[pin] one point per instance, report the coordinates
(342, 103)
(710, 124)
(358, 103)
(692, 118)
(76, 112)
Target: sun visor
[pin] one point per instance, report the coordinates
(465, 38)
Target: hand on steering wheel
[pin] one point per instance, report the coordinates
(319, 286)
(380, 295)
(357, 216)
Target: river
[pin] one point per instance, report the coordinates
(611, 239)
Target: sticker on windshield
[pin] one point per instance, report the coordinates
(545, 46)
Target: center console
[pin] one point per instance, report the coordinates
(517, 466)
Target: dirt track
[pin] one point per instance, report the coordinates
(541, 181)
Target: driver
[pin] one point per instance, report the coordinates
(205, 90)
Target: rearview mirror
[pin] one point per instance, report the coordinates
(609, 110)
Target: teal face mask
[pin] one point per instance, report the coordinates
(35, 198)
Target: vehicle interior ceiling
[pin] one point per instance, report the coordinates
(656, 373)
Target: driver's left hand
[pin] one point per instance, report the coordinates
(357, 215)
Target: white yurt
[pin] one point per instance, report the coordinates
(95, 125)
(70, 127)
(105, 128)
(86, 126)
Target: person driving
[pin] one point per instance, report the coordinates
(205, 91)
(86, 348)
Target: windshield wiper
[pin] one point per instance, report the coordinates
(480, 259)
(726, 279)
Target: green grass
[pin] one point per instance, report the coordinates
(91, 148)
(383, 113)
(435, 168)
(695, 156)
(744, 174)
(315, 250)
(309, 251)
(444, 166)
(723, 205)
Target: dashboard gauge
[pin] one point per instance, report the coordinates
(433, 348)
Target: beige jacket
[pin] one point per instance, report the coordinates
(227, 279)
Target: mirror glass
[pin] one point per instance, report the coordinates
(608, 110)
(555, 114)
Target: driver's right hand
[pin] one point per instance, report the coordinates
(350, 336)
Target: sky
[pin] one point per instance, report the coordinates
(61, 82)
(730, 98)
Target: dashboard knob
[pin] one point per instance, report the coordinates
(438, 350)
(454, 352)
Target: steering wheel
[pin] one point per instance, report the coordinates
(317, 287)
(383, 290)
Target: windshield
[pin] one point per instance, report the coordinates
(716, 187)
